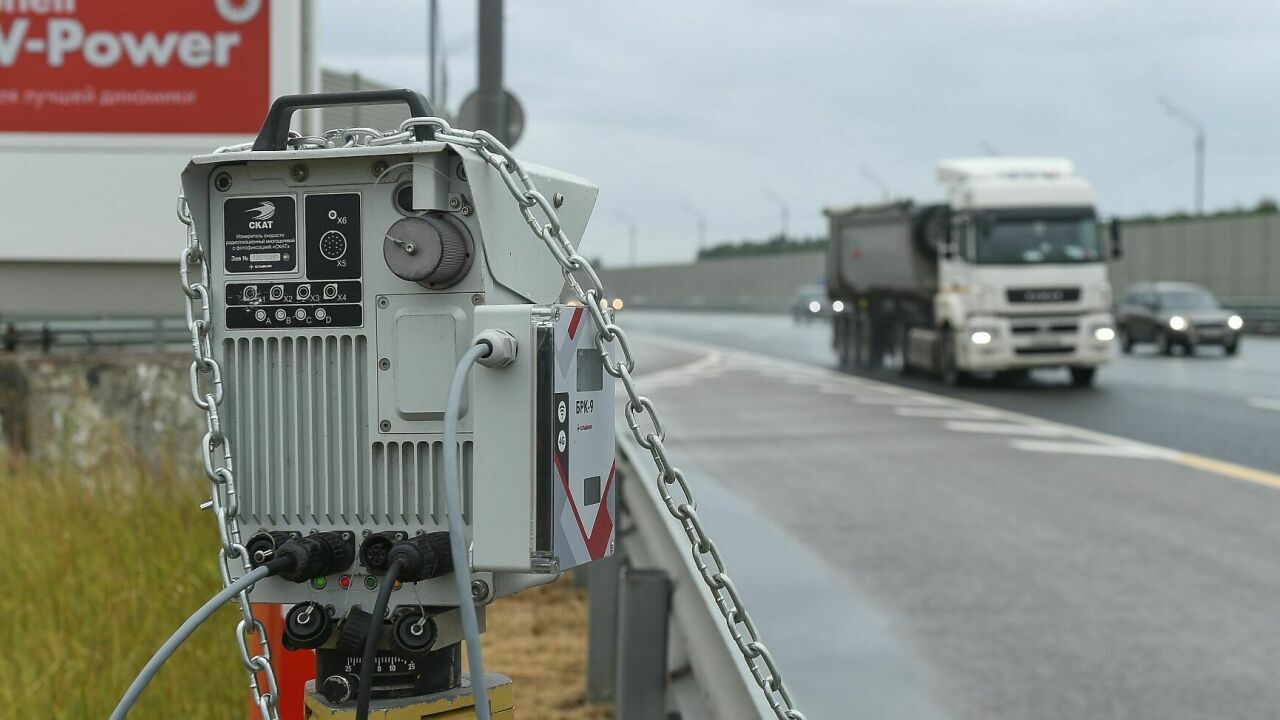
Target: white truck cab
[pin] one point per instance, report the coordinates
(1008, 274)
(1022, 281)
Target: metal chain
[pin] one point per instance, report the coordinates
(215, 454)
(542, 219)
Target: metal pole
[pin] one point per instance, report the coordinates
(490, 105)
(1199, 171)
(782, 203)
(875, 179)
(433, 39)
(1196, 125)
(644, 607)
(702, 224)
(602, 627)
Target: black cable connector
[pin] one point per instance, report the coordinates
(422, 557)
(317, 555)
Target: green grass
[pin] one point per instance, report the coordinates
(101, 565)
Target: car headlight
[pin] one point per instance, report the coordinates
(814, 306)
(980, 337)
(837, 306)
(1177, 322)
(1235, 322)
(1104, 334)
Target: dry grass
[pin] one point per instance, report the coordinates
(104, 564)
(539, 639)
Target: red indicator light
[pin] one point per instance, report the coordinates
(345, 581)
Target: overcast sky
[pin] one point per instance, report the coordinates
(719, 104)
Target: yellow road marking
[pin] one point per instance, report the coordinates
(1222, 467)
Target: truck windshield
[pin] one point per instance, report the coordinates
(1016, 240)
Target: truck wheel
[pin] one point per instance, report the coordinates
(844, 344)
(1126, 340)
(904, 346)
(1163, 345)
(947, 370)
(1082, 376)
(1232, 347)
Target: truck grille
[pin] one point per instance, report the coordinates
(1046, 350)
(1042, 295)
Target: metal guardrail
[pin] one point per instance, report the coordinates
(1260, 315)
(701, 668)
(91, 334)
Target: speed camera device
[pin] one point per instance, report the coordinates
(347, 282)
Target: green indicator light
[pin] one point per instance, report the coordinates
(319, 583)
(371, 582)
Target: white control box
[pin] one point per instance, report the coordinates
(544, 498)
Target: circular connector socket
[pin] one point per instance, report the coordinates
(263, 546)
(374, 551)
(412, 633)
(307, 626)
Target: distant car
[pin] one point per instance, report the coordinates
(810, 302)
(1176, 314)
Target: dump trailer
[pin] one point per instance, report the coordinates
(1006, 275)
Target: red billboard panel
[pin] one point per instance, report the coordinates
(142, 66)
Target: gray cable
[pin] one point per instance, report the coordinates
(180, 635)
(457, 540)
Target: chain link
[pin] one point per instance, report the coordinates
(207, 392)
(540, 215)
(585, 284)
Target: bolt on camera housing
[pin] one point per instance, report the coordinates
(346, 283)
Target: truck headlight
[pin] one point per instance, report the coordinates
(837, 306)
(1104, 334)
(1235, 322)
(980, 337)
(1177, 322)
(814, 306)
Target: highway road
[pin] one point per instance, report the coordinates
(1032, 552)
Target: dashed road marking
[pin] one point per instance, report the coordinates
(940, 412)
(999, 428)
(1265, 403)
(1081, 448)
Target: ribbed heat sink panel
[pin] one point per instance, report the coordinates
(297, 413)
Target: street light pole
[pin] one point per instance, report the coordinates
(1198, 127)
(782, 204)
(875, 179)
(702, 224)
(631, 236)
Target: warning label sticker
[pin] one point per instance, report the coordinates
(260, 234)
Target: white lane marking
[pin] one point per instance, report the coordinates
(999, 428)
(941, 413)
(1080, 448)
(839, 389)
(1265, 403)
(904, 400)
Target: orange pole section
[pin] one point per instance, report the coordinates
(293, 667)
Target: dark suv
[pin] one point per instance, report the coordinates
(1176, 314)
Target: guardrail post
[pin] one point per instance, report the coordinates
(643, 610)
(602, 626)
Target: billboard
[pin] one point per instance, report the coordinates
(102, 102)
(146, 66)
